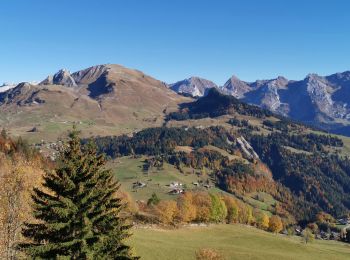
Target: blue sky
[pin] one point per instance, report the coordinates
(172, 40)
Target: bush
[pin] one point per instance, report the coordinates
(209, 254)
(153, 200)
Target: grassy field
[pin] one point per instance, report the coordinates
(234, 242)
(129, 170)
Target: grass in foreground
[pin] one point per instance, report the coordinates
(234, 242)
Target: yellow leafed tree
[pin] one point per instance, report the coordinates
(18, 176)
(166, 211)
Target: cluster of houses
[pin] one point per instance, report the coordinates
(198, 184)
(331, 235)
(175, 187)
(138, 185)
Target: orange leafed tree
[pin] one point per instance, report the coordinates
(275, 224)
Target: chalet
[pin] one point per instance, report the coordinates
(298, 230)
(176, 191)
(175, 184)
(138, 184)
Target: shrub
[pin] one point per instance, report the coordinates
(209, 254)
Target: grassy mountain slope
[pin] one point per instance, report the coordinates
(107, 99)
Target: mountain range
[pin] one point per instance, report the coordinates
(111, 99)
(322, 101)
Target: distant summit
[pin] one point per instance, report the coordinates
(236, 87)
(62, 77)
(194, 86)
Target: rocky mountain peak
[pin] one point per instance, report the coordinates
(236, 87)
(281, 80)
(312, 76)
(194, 86)
(62, 77)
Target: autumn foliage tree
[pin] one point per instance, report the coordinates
(262, 220)
(275, 224)
(166, 211)
(18, 174)
(187, 209)
(218, 210)
(202, 202)
(232, 209)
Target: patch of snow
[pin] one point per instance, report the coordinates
(6, 86)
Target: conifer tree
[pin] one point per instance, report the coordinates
(77, 211)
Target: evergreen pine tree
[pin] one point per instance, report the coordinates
(78, 211)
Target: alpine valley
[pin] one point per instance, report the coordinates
(258, 154)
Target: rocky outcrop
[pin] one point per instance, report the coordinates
(246, 148)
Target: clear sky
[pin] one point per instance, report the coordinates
(175, 39)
